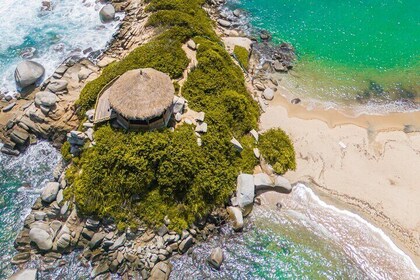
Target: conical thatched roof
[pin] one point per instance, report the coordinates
(141, 94)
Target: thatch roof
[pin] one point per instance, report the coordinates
(141, 94)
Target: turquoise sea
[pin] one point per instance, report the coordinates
(349, 51)
(307, 239)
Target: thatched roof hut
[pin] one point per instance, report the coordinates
(141, 94)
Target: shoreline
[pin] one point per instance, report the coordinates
(380, 144)
(334, 174)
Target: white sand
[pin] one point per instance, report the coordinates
(376, 174)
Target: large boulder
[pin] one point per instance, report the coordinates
(161, 271)
(235, 214)
(268, 94)
(216, 258)
(28, 73)
(26, 274)
(41, 238)
(262, 181)
(282, 185)
(107, 13)
(45, 98)
(49, 193)
(186, 244)
(245, 190)
(224, 23)
(57, 86)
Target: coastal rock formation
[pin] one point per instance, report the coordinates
(50, 192)
(245, 190)
(235, 215)
(161, 271)
(41, 238)
(28, 73)
(216, 258)
(107, 13)
(268, 94)
(45, 98)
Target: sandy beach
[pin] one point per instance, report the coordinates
(367, 164)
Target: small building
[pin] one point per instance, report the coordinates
(139, 99)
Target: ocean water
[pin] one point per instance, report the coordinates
(69, 28)
(21, 181)
(349, 51)
(305, 239)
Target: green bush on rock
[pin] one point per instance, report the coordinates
(278, 150)
(242, 55)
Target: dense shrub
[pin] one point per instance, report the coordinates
(242, 55)
(153, 174)
(65, 152)
(217, 87)
(278, 150)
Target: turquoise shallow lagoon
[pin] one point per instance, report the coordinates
(347, 50)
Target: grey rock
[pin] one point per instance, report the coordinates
(28, 73)
(162, 230)
(236, 144)
(26, 274)
(186, 244)
(235, 214)
(216, 258)
(92, 224)
(257, 153)
(63, 242)
(84, 73)
(192, 45)
(87, 233)
(60, 196)
(282, 185)
(201, 128)
(224, 23)
(57, 85)
(49, 193)
(96, 240)
(118, 243)
(100, 269)
(262, 180)
(161, 271)
(41, 238)
(200, 117)
(107, 13)
(45, 98)
(278, 66)
(245, 192)
(178, 105)
(9, 107)
(255, 134)
(268, 94)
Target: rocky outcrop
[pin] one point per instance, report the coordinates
(28, 73)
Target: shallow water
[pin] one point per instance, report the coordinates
(68, 29)
(306, 239)
(350, 52)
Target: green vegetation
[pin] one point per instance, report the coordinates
(278, 150)
(148, 175)
(65, 152)
(242, 55)
(144, 176)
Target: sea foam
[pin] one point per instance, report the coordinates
(67, 29)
